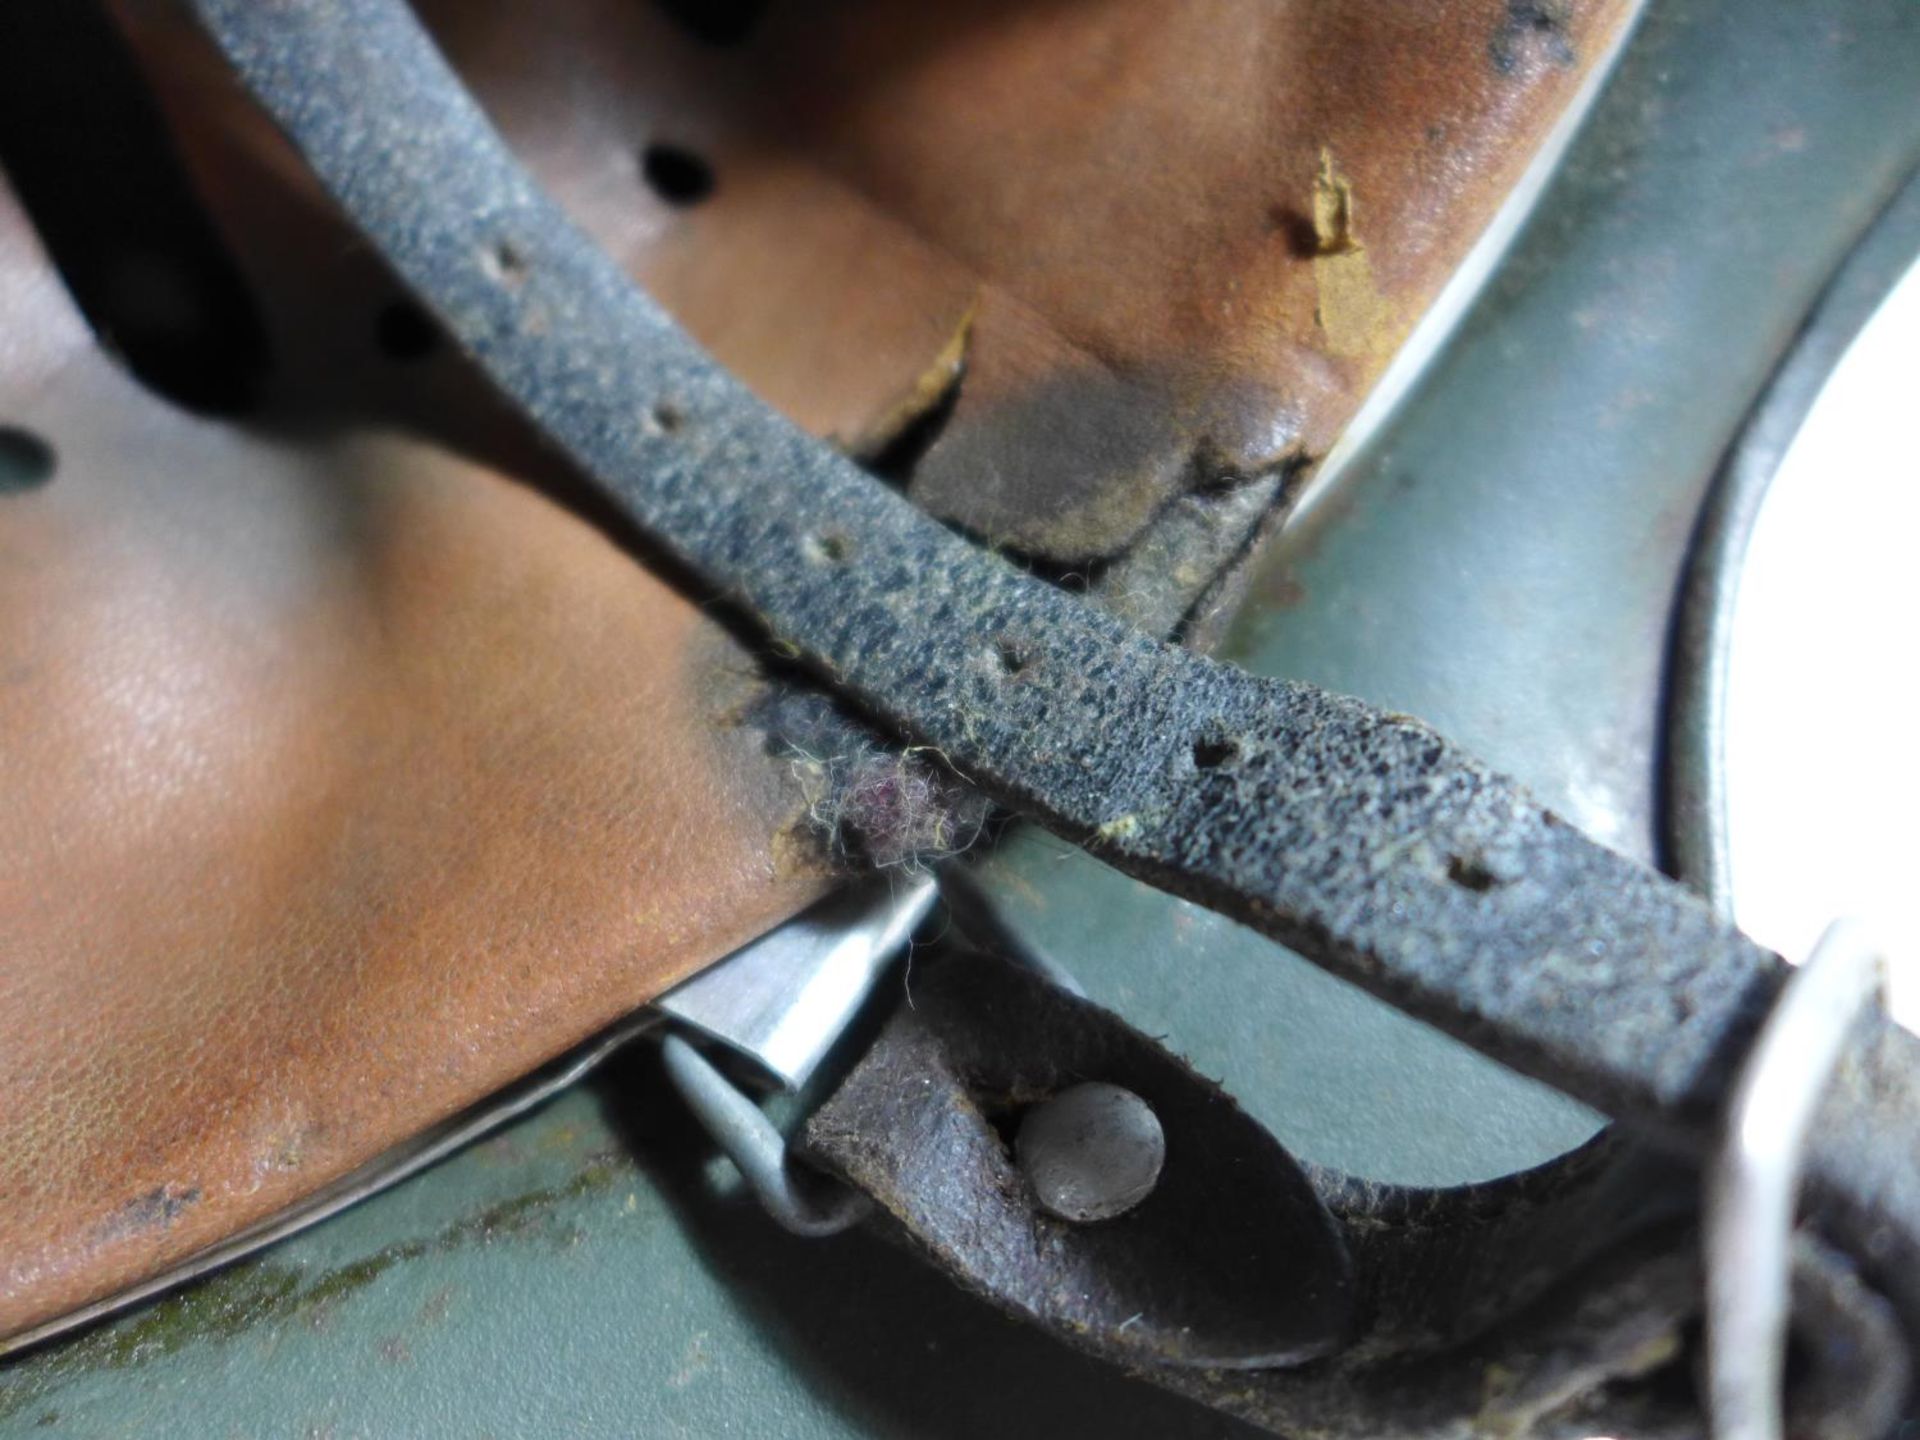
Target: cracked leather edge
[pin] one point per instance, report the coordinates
(1358, 838)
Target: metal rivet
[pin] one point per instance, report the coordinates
(1091, 1152)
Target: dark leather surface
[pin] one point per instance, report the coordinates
(1231, 1261)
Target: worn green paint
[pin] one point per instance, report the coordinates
(265, 1291)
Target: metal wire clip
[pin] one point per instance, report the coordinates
(1755, 1178)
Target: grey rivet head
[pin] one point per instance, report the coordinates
(1091, 1152)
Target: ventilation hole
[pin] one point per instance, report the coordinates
(718, 22)
(828, 548)
(1013, 659)
(677, 176)
(404, 331)
(1211, 754)
(26, 461)
(1471, 874)
(665, 418)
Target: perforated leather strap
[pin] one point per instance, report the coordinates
(1361, 839)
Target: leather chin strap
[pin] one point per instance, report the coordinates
(1361, 839)
(1558, 1301)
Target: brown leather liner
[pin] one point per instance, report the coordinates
(346, 779)
(1154, 246)
(1180, 241)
